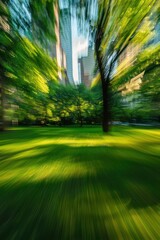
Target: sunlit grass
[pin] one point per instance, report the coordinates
(62, 183)
(49, 171)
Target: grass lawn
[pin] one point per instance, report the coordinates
(78, 183)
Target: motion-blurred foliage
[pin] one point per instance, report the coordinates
(123, 33)
(26, 66)
(124, 36)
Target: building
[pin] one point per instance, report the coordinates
(80, 70)
(129, 56)
(66, 41)
(57, 50)
(86, 68)
(132, 85)
(131, 93)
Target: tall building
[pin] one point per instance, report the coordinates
(86, 68)
(66, 40)
(57, 50)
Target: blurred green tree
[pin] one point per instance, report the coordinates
(117, 25)
(75, 105)
(25, 66)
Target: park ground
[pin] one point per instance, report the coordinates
(79, 183)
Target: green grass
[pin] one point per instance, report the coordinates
(63, 183)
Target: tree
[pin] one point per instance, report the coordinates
(150, 92)
(74, 105)
(115, 26)
(110, 42)
(25, 66)
(5, 47)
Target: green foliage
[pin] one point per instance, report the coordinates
(26, 68)
(29, 76)
(120, 27)
(31, 66)
(147, 60)
(43, 20)
(75, 104)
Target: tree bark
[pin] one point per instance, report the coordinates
(106, 115)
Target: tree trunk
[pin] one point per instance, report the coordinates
(106, 116)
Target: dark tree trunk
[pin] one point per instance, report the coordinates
(106, 116)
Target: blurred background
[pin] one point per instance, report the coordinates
(79, 119)
(56, 55)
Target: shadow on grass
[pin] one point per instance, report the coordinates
(27, 133)
(78, 207)
(65, 191)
